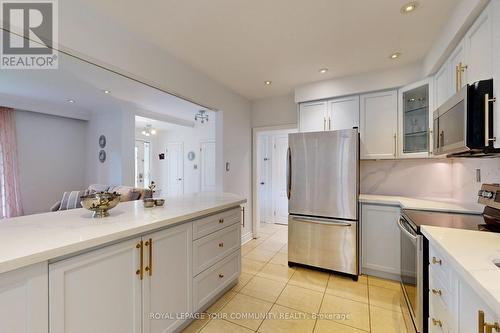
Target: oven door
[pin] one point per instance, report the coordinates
(412, 265)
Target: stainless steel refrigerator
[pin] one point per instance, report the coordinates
(323, 190)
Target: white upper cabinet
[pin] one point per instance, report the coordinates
(415, 119)
(331, 115)
(378, 125)
(458, 69)
(313, 116)
(478, 48)
(442, 84)
(343, 113)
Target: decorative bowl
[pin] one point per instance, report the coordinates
(159, 202)
(149, 202)
(100, 202)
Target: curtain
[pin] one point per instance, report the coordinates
(10, 198)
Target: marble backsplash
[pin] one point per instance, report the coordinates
(445, 179)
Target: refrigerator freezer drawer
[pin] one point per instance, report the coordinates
(325, 243)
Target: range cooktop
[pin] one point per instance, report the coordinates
(448, 220)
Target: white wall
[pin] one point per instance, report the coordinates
(52, 158)
(273, 111)
(356, 84)
(97, 38)
(119, 129)
(191, 138)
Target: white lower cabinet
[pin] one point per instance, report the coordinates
(167, 288)
(134, 286)
(24, 300)
(454, 307)
(380, 240)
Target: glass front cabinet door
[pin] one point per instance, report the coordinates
(415, 120)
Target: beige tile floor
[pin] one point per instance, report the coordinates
(283, 299)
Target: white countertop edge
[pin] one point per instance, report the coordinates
(421, 204)
(89, 244)
(467, 275)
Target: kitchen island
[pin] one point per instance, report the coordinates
(138, 270)
(464, 279)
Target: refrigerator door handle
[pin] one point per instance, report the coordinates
(322, 221)
(288, 173)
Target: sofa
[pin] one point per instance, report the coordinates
(71, 199)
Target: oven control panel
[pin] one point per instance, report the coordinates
(489, 195)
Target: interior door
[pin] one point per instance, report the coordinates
(207, 167)
(139, 164)
(280, 200)
(263, 174)
(175, 168)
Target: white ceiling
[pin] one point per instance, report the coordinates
(243, 43)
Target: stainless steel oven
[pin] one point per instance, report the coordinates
(412, 271)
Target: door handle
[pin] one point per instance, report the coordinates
(140, 271)
(322, 221)
(487, 101)
(288, 173)
(395, 145)
(149, 267)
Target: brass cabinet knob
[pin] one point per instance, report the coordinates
(221, 244)
(221, 275)
(437, 292)
(221, 220)
(437, 322)
(437, 261)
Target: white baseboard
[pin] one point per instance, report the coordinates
(246, 238)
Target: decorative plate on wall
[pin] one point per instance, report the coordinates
(191, 155)
(102, 141)
(102, 156)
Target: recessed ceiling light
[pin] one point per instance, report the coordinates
(71, 101)
(323, 70)
(267, 82)
(395, 55)
(409, 7)
(107, 92)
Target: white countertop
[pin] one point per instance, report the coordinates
(423, 204)
(35, 238)
(471, 254)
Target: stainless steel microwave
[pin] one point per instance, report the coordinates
(463, 125)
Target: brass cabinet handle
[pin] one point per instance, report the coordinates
(457, 79)
(437, 261)
(221, 275)
(221, 220)
(436, 322)
(149, 267)
(140, 271)
(324, 123)
(487, 101)
(461, 69)
(437, 292)
(484, 327)
(221, 244)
